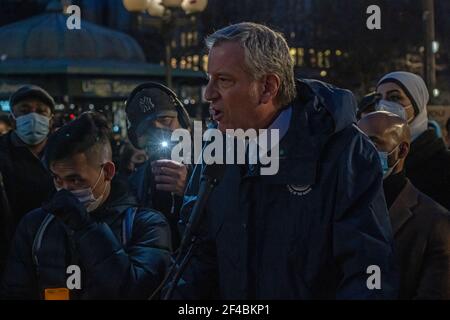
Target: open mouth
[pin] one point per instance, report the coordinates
(216, 114)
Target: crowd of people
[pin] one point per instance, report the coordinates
(359, 185)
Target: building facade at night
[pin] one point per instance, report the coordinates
(328, 39)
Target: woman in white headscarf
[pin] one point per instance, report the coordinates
(428, 162)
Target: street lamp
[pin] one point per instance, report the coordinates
(135, 5)
(167, 11)
(171, 3)
(435, 46)
(429, 39)
(155, 8)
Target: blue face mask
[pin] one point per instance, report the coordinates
(384, 156)
(32, 128)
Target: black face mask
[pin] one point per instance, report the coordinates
(158, 144)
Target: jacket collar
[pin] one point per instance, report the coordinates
(402, 208)
(319, 111)
(19, 148)
(119, 199)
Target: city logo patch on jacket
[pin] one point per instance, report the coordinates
(298, 190)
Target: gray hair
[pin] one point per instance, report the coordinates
(266, 51)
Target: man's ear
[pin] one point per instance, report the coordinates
(403, 150)
(50, 124)
(271, 86)
(110, 170)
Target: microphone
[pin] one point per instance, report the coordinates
(210, 178)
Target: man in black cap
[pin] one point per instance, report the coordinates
(25, 179)
(367, 104)
(153, 113)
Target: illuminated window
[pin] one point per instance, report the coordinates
(195, 62)
(173, 63)
(183, 63)
(205, 62)
(4, 106)
(338, 53)
(320, 61)
(183, 39)
(312, 58)
(300, 56)
(195, 38)
(190, 37)
(293, 53)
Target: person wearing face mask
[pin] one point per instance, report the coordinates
(428, 164)
(154, 112)
(420, 225)
(91, 222)
(26, 181)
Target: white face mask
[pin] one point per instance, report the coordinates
(392, 107)
(86, 195)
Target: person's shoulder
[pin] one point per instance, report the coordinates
(429, 208)
(31, 221)
(35, 216)
(340, 104)
(5, 138)
(152, 228)
(149, 216)
(5, 146)
(444, 156)
(427, 212)
(352, 143)
(435, 218)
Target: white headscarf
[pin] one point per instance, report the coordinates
(416, 90)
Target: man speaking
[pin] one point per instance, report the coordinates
(317, 229)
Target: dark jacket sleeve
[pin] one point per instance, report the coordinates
(139, 183)
(134, 272)
(199, 280)
(362, 235)
(434, 282)
(19, 280)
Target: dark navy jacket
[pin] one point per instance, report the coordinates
(109, 269)
(309, 232)
(142, 185)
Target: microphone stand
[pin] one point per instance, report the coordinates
(190, 237)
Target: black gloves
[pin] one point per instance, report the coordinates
(66, 207)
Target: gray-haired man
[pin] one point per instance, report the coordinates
(314, 229)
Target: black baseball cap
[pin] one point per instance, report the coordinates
(149, 104)
(32, 91)
(368, 102)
